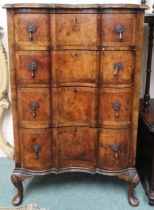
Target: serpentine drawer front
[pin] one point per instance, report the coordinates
(75, 81)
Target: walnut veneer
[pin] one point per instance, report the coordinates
(75, 78)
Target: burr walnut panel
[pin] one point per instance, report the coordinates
(33, 67)
(118, 29)
(117, 67)
(76, 146)
(74, 106)
(74, 30)
(32, 31)
(117, 105)
(34, 107)
(114, 148)
(75, 68)
(36, 146)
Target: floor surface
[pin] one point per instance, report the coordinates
(71, 191)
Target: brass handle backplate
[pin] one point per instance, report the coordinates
(36, 149)
(33, 67)
(116, 106)
(117, 67)
(34, 106)
(115, 148)
(31, 28)
(119, 29)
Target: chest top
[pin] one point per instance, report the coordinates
(77, 6)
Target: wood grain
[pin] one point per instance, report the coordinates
(75, 67)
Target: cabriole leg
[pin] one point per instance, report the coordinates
(133, 179)
(133, 183)
(17, 181)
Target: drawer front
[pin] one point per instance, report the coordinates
(118, 29)
(117, 67)
(74, 29)
(115, 107)
(33, 67)
(75, 67)
(36, 146)
(76, 147)
(114, 149)
(74, 106)
(32, 31)
(34, 107)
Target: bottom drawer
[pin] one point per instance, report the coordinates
(36, 147)
(114, 148)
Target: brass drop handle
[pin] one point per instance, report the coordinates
(34, 106)
(31, 28)
(116, 106)
(115, 148)
(33, 66)
(36, 149)
(119, 29)
(117, 67)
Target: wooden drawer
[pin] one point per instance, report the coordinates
(32, 31)
(36, 147)
(76, 147)
(117, 67)
(118, 29)
(114, 148)
(74, 29)
(34, 107)
(115, 107)
(74, 106)
(76, 68)
(33, 67)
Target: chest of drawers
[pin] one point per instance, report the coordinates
(75, 82)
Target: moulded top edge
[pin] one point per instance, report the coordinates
(76, 6)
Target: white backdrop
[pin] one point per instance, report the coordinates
(7, 125)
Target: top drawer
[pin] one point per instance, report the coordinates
(118, 30)
(32, 31)
(74, 31)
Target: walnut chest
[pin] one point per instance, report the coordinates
(75, 82)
